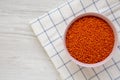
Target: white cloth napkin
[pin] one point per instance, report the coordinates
(50, 28)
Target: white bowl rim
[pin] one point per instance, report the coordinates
(115, 42)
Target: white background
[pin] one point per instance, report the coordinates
(21, 55)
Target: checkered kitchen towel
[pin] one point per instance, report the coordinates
(50, 28)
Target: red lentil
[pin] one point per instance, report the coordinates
(89, 39)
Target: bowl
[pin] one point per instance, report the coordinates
(114, 46)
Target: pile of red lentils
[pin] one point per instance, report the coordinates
(90, 39)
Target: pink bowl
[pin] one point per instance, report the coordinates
(115, 42)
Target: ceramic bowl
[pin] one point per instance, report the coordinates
(115, 42)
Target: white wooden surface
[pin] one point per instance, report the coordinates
(21, 55)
